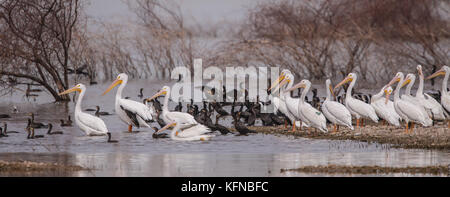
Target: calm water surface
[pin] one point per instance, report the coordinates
(141, 155)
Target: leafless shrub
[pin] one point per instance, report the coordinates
(35, 42)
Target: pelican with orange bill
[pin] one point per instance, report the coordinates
(310, 115)
(357, 108)
(281, 102)
(131, 112)
(91, 125)
(184, 120)
(195, 133)
(445, 96)
(407, 111)
(428, 101)
(334, 111)
(409, 82)
(384, 107)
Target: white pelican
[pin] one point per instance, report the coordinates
(335, 112)
(409, 80)
(291, 103)
(183, 121)
(312, 116)
(186, 135)
(280, 103)
(384, 107)
(428, 102)
(445, 96)
(357, 108)
(91, 125)
(131, 112)
(408, 111)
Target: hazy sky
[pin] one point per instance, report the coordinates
(202, 11)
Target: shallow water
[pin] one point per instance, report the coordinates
(141, 155)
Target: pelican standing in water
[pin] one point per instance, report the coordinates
(335, 112)
(131, 112)
(445, 96)
(312, 116)
(184, 122)
(357, 108)
(384, 107)
(408, 111)
(91, 125)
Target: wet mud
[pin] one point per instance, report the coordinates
(436, 137)
(338, 169)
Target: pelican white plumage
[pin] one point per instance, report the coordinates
(445, 96)
(428, 101)
(409, 81)
(335, 112)
(130, 112)
(187, 134)
(384, 107)
(183, 121)
(91, 125)
(408, 111)
(312, 116)
(357, 108)
(280, 103)
(291, 103)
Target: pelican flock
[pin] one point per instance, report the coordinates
(404, 111)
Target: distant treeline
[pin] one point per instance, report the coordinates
(52, 43)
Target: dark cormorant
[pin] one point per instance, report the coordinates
(2, 134)
(109, 138)
(5, 130)
(179, 107)
(99, 113)
(67, 123)
(141, 94)
(33, 136)
(240, 127)
(50, 132)
(36, 125)
(159, 135)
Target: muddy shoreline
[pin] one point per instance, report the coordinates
(29, 166)
(436, 137)
(365, 170)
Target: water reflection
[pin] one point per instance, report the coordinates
(236, 165)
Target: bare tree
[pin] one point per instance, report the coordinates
(35, 41)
